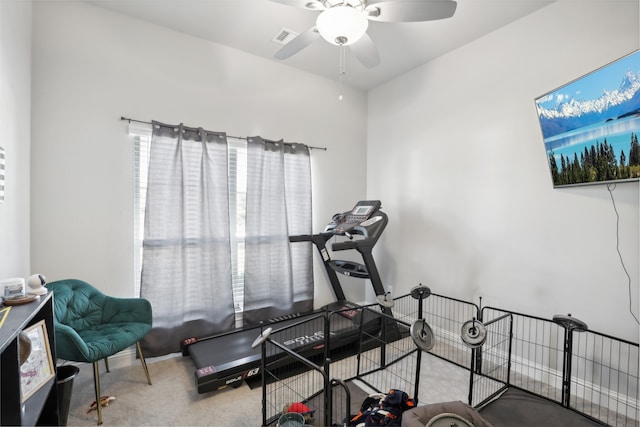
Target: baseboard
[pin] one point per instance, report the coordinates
(123, 359)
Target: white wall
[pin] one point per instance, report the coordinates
(15, 135)
(453, 151)
(456, 155)
(92, 66)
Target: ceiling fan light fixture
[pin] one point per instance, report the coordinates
(342, 25)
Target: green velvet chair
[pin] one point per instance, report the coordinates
(91, 326)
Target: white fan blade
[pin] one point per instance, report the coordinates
(305, 4)
(365, 51)
(410, 10)
(297, 44)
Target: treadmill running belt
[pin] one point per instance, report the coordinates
(229, 359)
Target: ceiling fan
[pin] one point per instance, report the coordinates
(345, 22)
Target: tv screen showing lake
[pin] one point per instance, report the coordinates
(590, 126)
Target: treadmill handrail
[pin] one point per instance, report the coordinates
(347, 244)
(301, 238)
(311, 237)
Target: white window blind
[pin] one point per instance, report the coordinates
(237, 203)
(237, 173)
(141, 142)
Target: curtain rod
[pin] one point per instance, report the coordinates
(228, 136)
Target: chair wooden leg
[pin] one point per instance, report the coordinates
(144, 362)
(106, 364)
(96, 382)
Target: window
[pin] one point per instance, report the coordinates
(141, 142)
(237, 172)
(237, 203)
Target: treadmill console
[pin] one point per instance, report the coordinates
(361, 212)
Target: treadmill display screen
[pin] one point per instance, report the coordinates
(360, 213)
(362, 210)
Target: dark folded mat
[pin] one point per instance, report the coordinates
(519, 408)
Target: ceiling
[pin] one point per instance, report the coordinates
(251, 25)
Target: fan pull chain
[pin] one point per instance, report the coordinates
(342, 68)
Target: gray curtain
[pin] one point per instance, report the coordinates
(186, 265)
(278, 274)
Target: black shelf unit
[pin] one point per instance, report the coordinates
(41, 408)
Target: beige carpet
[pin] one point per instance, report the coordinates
(173, 399)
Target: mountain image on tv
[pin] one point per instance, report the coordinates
(590, 125)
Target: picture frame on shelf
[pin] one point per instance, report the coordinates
(38, 368)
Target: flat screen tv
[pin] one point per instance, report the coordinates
(590, 126)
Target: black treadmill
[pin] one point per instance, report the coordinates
(228, 359)
(363, 225)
